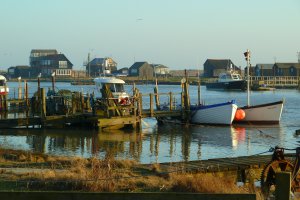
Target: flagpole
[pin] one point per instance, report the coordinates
(248, 77)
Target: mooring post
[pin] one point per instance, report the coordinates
(199, 92)
(171, 101)
(19, 88)
(43, 103)
(140, 104)
(151, 104)
(283, 186)
(157, 102)
(73, 103)
(81, 102)
(53, 82)
(27, 104)
(39, 89)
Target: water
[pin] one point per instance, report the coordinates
(169, 142)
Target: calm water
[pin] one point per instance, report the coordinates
(169, 142)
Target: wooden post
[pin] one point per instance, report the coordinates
(39, 89)
(171, 101)
(199, 92)
(5, 105)
(53, 82)
(157, 102)
(186, 99)
(27, 104)
(19, 89)
(283, 186)
(43, 103)
(140, 104)
(151, 104)
(81, 101)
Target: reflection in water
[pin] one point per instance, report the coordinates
(165, 143)
(238, 135)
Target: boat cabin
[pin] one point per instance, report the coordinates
(227, 77)
(115, 85)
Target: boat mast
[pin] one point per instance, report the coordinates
(247, 57)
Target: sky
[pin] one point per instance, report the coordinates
(180, 34)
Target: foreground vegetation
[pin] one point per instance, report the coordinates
(43, 172)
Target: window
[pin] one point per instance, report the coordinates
(119, 87)
(134, 71)
(62, 64)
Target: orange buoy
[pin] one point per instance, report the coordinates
(239, 115)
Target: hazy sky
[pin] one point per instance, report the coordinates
(177, 33)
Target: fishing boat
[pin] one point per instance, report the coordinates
(115, 85)
(3, 87)
(267, 113)
(229, 80)
(216, 114)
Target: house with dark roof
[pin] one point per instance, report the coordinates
(98, 65)
(48, 61)
(213, 67)
(286, 69)
(262, 70)
(142, 69)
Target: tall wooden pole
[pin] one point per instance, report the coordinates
(199, 92)
(248, 76)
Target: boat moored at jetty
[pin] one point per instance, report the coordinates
(216, 114)
(268, 113)
(115, 85)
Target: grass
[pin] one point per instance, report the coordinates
(109, 175)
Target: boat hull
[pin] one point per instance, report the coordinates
(217, 114)
(269, 113)
(231, 85)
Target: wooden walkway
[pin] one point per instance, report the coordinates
(276, 81)
(245, 167)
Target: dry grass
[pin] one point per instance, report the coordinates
(110, 175)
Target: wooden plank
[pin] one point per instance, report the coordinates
(16, 195)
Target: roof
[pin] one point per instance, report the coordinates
(137, 65)
(101, 61)
(265, 66)
(96, 61)
(287, 65)
(49, 51)
(108, 80)
(58, 57)
(22, 67)
(219, 63)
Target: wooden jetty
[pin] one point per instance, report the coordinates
(245, 168)
(276, 81)
(66, 108)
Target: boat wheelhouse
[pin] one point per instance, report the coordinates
(115, 85)
(228, 81)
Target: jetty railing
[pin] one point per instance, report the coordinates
(276, 81)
